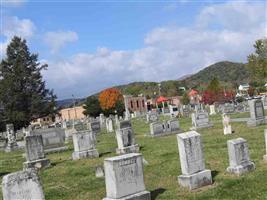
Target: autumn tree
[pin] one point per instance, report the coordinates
(111, 101)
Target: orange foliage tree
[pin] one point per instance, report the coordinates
(110, 100)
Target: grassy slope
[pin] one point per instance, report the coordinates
(68, 179)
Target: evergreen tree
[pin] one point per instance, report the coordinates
(214, 85)
(23, 93)
(92, 107)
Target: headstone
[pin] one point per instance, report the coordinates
(264, 100)
(165, 128)
(227, 128)
(109, 125)
(239, 157)
(102, 120)
(152, 117)
(265, 136)
(200, 120)
(124, 178)
(240, 108)
(99, 172)
(228, 108)
(95, 127)
(257, 116)
(212, 110)
(194, 175)
(11, 138)
(126, 141)
(84, 143)
(35, 156)
(117, 119)
(22, 185)
(68, 134)
(53, 139)
(124, 124)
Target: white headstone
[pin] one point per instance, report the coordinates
(239, 157)
(126, 141)
(35, 156)
(22, 185)
(227, 128)
(194, 174)
(84, 143)
(124, 177)
(257, 115)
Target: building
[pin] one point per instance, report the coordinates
(243, 90)
(75, 113)
(42, 121)
(135, 104)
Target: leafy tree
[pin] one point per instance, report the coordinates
(22, 91)
(111, 101)
(92, 107)
(185, 99)
(257, 62)
(214, 85)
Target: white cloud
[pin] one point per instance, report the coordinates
(13, 3)
(12, 26)
(57, 40)
(169, 52)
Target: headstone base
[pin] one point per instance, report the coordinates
(130, 149)
(54, 150)
(241, 169)
(145, 195)
(76, 155)
(36, 164)
(194, 128)
(253, 123)
(227, 130)
(11, 147)
(196, 180)
(167, 133)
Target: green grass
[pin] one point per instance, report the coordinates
(67, 179)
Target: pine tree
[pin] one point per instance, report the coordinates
(92, 107)
(23, 93)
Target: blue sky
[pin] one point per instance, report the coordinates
(92, 45)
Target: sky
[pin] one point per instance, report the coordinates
(93, 45)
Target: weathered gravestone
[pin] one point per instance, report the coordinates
(124, 178)
(239, 157)
(109, 125)
(152, 117)
(124, 124)
(95, 127)
(102, 120)
(200, 120)
(265, 136)
(53, 139)
(165, 128)
(126, 141)
(240, 107)
(68, 133)
(257, 116)
(212, 110)
(264, 100)
(228, 108)
(35, 156)
(22, 185)
(84, 143)
(11, 139)
(194, 175)
(227, 128)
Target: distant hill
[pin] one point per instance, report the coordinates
(230, 74)
(227, 72)
(66, 103)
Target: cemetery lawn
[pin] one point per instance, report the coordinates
(67, 179)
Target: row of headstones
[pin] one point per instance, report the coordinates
(124, 176)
